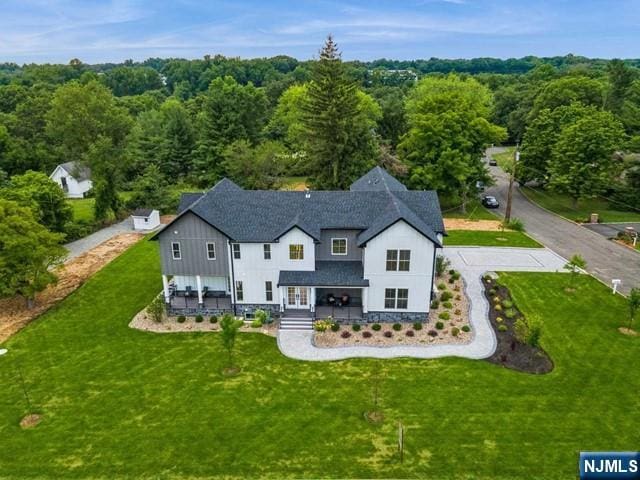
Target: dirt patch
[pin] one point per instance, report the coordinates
(510, 352)
(628, 331)
(165, 219)
(454, 309)
(14, 314)
(30, 421)
(142, 321)
(625, 244)
(465, 224)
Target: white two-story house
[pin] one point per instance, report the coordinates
(367, 254)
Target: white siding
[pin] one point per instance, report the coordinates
(152, 222)
(75, 189)
(253, 270)
(417, 280)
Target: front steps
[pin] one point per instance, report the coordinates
(296, 323)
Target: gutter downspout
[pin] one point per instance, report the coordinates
(233, 278)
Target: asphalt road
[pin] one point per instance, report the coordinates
(606, 260)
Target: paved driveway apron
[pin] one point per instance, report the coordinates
(472, 263)
(606, 260)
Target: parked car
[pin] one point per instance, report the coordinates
(493, 162)
(490, 201)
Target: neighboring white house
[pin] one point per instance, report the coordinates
(367, 254)
(145, 219)
(73, 178)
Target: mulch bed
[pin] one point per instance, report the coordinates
(510, 352)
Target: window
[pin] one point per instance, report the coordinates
(211, 251)
(398, 260)
(239, 292)
(338, 246)
(296, 252)
(267, 251)
(397, 298)
(146, 220)
(175, 251)
(236, 251)
(268, 290)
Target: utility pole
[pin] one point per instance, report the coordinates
(512, 174)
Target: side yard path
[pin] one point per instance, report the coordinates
(89, 242)
(472, 263)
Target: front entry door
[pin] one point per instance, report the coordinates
(297, 297)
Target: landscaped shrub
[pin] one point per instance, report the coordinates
(510, 313)
(456, 276)
(335, 327)
(455, 331)
(466, 328)
(515, 224)
(444, 296)
(388, 334)
(487, 278)
(156, 309)
(345, 334)
(439, 325)
(528, 331)
(199, 318)
(397, 327)
(452, 280)
(417, 326)
(256, 323)
(444, 316)
(502, 327)
(447, 305)
(261, 315)
(507, 303)
(498, 307)
(366, 334)
(456, 288)
(376, 327)
(432, 333)
(356, 327)
(497, 299)
(322, 325)
(499, 319)
(409, 333)
(213, 319)
(442, 286)
(452, 272)
(458, 297)
(435, 304)
(182, 319)
(442, 263)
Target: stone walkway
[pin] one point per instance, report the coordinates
(472, 263)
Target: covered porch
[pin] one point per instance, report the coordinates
(200, 299)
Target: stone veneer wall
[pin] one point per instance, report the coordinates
(373, 317)
(240, 309)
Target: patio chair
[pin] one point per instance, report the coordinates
(205, 291)
(187, 291)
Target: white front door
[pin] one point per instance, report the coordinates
(297, 297)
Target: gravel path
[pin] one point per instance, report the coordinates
(605, 259)
(472, 262)
(89, 242)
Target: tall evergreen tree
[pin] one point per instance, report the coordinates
(339, 148)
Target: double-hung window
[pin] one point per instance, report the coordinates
(176, 254)
(211, 251)
(296, 252)
(267, 251)
(236, 250)
(239, 291)
(268, 290)
(396, 298)
(398, 260)
(338, 246)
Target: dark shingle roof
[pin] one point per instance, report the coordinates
(326, 274)
(265, 215)
(142, 212)
(377, 179)
(78, 171)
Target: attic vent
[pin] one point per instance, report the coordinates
(307, 193)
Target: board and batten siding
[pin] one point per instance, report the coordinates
(323, 249)
(193, 234)
(417, 280)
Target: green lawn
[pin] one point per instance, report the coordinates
(489, 239)
(475, 211)
(562, 205)
(123, 403)
(82, 208)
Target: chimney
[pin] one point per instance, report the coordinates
(307, 193)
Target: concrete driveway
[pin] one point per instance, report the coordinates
(606, 260)
(85, 244)
(472, 263)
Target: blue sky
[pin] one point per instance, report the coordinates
(114, 30)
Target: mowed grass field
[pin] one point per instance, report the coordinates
(489, 239)
(122, 403)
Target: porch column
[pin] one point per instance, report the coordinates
(283, 296)
(365, 299)
(312, 299)
(199, 286)
(165, 289)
